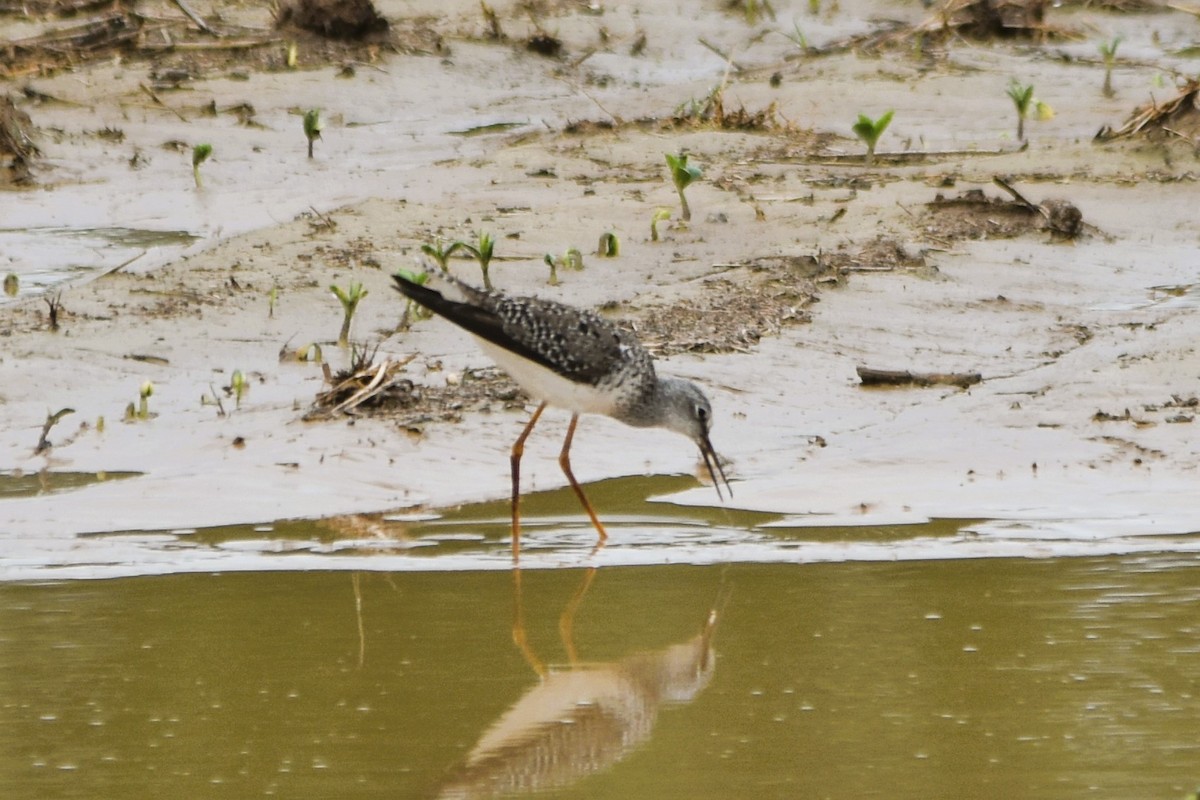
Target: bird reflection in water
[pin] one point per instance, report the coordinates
(582, 719)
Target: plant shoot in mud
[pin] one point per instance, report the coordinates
(660, 215)
(869, 130)
(482, 250)
(313, 125)
(440, 252)
(609, 246)
(12, 284)
(572, 259)
(349, 298)
(682, 175)
(142, 410)
(1108, 50)
(414, 311)
(238, 386)
(200, 154)
(1022, 97)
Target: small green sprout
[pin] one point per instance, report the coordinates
(754, 10)
(682, 175)
(440, 252)
(145, 391)
(291, 54)
(272, 298)
(309, 352)
(572, 259)
(609, 246)
(413, 311)
(1108, 50)
(313, 125)
(1022, 97)
(239, 386)
(660, 215)
(200, 154)
(483, 250)
(349, 299)
(869, 130)
(12, 284)
(797, 36)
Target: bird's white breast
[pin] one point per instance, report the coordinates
(545, 384)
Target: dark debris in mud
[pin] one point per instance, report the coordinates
(176, 37)
(974, 215)
(17, 148)
(978, 20)
(1178, 118)
(708, 113)
(336, 19)
(380, 390)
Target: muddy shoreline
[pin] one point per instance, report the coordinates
(1082, 424)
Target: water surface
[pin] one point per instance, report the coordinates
(959, 678)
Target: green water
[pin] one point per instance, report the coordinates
(957, 679)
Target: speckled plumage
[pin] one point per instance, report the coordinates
(573, 359)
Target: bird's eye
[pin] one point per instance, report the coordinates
(702, 414)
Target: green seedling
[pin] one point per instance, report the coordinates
(572, 259)
(272, 298)
(310, 352)
(291, 54)
(682, 175)
(609, 246)
(1022, 97)
(12, 284)
(440, 252)
(413, 311)
(200, 154)
(313, 125)
(349, 298)
(145, 391)
(1108, 50)
(869, 130)
(660, 215)
(797, 36)
(754, 10)
(51, 420)
(483, 251)
(239, 386)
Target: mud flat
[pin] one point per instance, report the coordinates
(802, 263)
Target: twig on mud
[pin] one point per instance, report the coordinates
(158, 101)
(51, 420)
(197, 19)
(728, 59)
(887, 377)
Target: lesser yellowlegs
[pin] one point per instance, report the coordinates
(572, 359)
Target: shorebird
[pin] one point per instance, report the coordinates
(572, 359)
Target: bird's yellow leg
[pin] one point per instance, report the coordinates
(518, 450)
(564, 461)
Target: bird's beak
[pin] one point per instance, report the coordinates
(714, 465)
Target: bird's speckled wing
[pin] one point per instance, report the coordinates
(577, 344)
